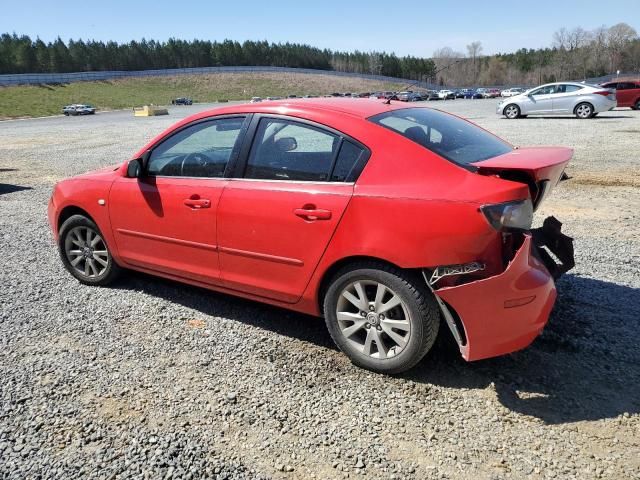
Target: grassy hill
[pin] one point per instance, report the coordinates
(35, 101)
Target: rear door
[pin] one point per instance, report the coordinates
(277, 216)
(565, 98)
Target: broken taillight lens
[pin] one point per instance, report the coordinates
(507, 216)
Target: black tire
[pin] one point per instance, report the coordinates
(417, 302)
(583, 110)
(511, 111)
(66, 114)
(79, 223)
(637, 107)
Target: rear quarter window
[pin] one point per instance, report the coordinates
(446, 135)
(350, 161)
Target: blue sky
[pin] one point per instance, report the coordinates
(406, 28)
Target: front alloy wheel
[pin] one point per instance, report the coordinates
(512, 111)
(85, 253)
(383, 318)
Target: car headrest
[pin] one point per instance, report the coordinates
(417, 134)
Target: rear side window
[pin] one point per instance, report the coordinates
(567, 88)
(285, 150)
(450, 137)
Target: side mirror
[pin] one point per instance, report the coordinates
(137, 166)
(134, 168)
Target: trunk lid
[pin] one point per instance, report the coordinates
(539, 167)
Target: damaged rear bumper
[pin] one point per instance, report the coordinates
(506, 312)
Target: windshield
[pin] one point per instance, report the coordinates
(450, 137)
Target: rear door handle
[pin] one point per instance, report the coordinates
(312, 213)
(197, 203)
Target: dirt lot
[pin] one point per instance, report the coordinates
(152, 379)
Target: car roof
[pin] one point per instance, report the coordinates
(357, 107)
(579, 84)
(360, 108)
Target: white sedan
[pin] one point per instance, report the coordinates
(511, 92)
(446, 94)
(562, 98)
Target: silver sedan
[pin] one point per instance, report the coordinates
(579, 99)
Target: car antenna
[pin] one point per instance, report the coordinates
(387, 101)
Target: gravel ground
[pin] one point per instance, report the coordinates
(153, 379)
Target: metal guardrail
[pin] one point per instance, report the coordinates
(58, 78)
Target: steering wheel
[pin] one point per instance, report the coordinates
(196, 160)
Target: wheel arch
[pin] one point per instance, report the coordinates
(69, 211)
(338, 265)
(582, 103)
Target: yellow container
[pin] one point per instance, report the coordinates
(149, 111)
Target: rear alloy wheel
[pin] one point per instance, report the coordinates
(380, 317)
(85, 253)
(584, 110)
(512, 111)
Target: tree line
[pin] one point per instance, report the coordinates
(573, 54)
(21, 54)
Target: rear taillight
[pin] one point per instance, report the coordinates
(604, 93)
(507, 216)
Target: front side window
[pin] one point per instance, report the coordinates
(544, 90)
(286, 150)
(200, 150)
(450, 137)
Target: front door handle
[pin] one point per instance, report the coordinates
(310, 212)
(197, 203)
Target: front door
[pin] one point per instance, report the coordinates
(166, 221)
(276, 219)
(539, 101)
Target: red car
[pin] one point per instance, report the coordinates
(381, 218)
(627, 93)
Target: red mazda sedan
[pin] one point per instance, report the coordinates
(385, 219)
